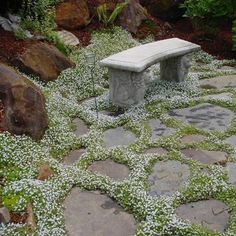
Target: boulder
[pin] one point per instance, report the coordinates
(72, 14)
(24, 104)
(43, 60)
(166, 9)
(132, 16)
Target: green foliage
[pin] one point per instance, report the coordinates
(234, 35)
(20, 34)
(104, 16)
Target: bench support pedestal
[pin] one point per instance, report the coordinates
(126, 88)
(176, 68)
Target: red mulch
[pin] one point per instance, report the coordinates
(18, 218)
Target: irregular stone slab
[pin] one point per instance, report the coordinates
(227, 68)
(92, 213)
(206, 157)
(4, 215)
(110, 168)
(167, 177)
(118, 137)
(80, 127)
(231, 168)
(222, 97)
(157, 151)
(68, 38)
(231, 141)
(219, 82)
(193, 138)
(159, 130)
(205, 116)
(74, 156)
(212, 214)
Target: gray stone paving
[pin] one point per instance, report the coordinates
(212, 214)
(231, 141)
(110, 168)
(231, 169)
(95, 214)
(157, 151)
(80, 127)
(205, 116)
(219, 82)
(206, 157)
(159, 130)
(118, 137)
(74, 156)
(221, 96)
(167, 177)
(193, 138)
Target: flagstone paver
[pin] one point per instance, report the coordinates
(80, 127)
(92, 213)
(118, 137)
(219, 82)
(110, 168)
(74, 156)
(167, 177)
(205, 116)
(193, 138)
(231, 169)
(212, 214)
(221, 96)
(159, 130)
(206, 157)
(231, 141)
(157, 151)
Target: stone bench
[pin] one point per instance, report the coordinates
(127, 68)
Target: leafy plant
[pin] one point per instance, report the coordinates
(103, 13)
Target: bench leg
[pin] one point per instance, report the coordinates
(175, 69)
(126, 88)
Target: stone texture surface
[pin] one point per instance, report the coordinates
(110, 168)
(231, 168)
(24, 104)
(212, 214)
(157, 151)
(74, 156)
(132, 16)
(92, 213)
(231, 141)
(72, 14)
(44, 172)
(43, 60)
(205, 116)
(68, 38)
(176, 68)
(167, 177)
(221, 96)
(219, 82)
(80, 127)
(4, 215)
(159, 130)
(206, 157)
(193, 138)
(118, 137)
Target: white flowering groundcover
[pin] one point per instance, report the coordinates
(20, 157)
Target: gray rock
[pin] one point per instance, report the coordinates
(167, 177)
(157, 151)
(212, 214)
(221, 96)
(4, 215)
(205, 116)
(219, 82)
(110, 168)
(231, 168)
(206, 157)
(159, 130)
(80, 127)
(68, 38)
(92, 213)
(231, 141)
(118, 137)
(193, 138)
(74, 156)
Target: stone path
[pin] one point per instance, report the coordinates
(80, 127)
(193, 138)
(219, 82)
(74, 156)
(205, 116)
(92, 213)
(212, 214)
(110, 168)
